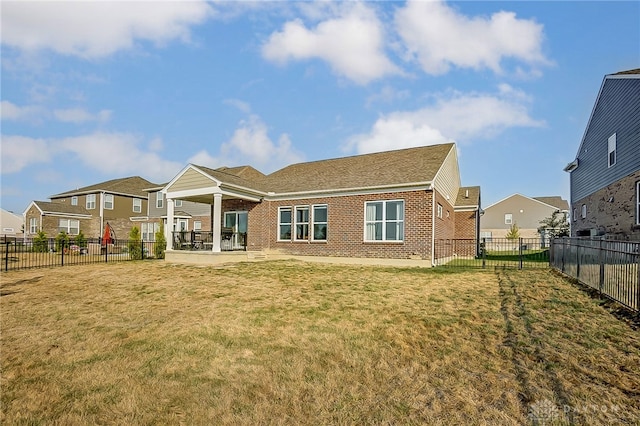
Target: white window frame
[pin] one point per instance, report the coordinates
(90, 202)
(281, 223)
(197, 225)
(109, 199)
(67, 226)
(384, 222)
(439, 211)
(612, 154)
(583, 211)
(159, 200)
(137, 202)
(302, 223)
(177, 203)
(487, 235)
(74, 200)
(33, 225)
(508, 218)
(315, 222)
(575, 214)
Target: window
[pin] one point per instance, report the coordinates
(70, 226)
(575, 214)
(486, 235)
(33, 225)
(583, 214)
(284, 223)
(440, 210)
(159, 200)
(302, 223)
(638, 203)
(384, 221)
(74, 201)
(177, 203)
(91, 202)
(108, 201)
(137, 205)
(612, 149)
(197, 225)
(508, 218)
(149, 231)
(319, 223)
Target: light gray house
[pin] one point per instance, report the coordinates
(605, 175)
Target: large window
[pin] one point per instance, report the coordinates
(108, 201)
(159, 200)
(284, 223)
(91, 201)
(612, 149)
(33, 225)
(70, 226)
(302, 223)
(149, 230)
(320, 223)
(137, 205)
(384, 221)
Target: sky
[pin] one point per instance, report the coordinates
(98, 90)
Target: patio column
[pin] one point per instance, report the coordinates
(216, 226)
(169, 224)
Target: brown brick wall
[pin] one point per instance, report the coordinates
(345, 235)
(614, 219)
(446, 225)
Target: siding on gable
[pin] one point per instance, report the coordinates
(191, 179)
(447, 180)
(617, 111)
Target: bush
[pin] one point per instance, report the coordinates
(80, 240)
(41, 243)
(161, 243)
(135, 244)
(62, 241)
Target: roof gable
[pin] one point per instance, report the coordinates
(133, 186)
(556, 200)
(47, 207)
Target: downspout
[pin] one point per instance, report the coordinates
(433, 226)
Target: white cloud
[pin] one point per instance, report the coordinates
(251, 145)
(94, 29)
(240, 105)
(352, 43)
(13, 112)
(438, 37)
(79, 115)
(19, 152)
(462, 117)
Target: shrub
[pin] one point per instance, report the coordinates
(161, 243)
(135, 244)
(62, 241)
(40, 242)
(80, 240)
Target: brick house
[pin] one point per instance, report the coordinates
(121, 202)
(387, 205)
(605, 175)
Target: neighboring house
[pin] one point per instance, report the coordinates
(11, 224)
(522, 211)
(390, 205)
(605, 175)
(121, 202)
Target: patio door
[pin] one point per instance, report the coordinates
(237, 221)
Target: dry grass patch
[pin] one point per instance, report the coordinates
(290, 343)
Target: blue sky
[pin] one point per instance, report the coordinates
(99, 90)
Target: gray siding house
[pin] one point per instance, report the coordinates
(605, 175)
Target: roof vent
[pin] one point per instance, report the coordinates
(466, 193)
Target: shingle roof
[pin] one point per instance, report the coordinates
(554, 201)
(64, 208)
(133, 185)
(468, 196)
(634, 71)
(247, 179)
(404, 166)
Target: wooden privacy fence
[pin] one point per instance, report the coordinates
(611, 267)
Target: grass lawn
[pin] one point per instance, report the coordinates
(297, 343)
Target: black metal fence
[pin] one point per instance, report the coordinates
(39, 253)
(611, 267)
(492, 252)
(203, 241)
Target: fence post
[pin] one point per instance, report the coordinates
(106, 252)
(520, 251)
(601, 257)
(484, 253)
(142, 249)
(6, 256)
(62, 248)
(578, 261)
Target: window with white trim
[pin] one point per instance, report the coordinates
(137, 205)
(508, 218)
(70, 226)
(302, 223)
(74, 201)
(33, 225)
(177, 203)
(638, 203)
(91, 202)
(108, 201)
(384, 220)
(197, 225)
(583, 212)
(159, 200)
(487, 235)
(149, 230)
(320, 223)
(575, 214)
(439, 210)
(284, 223)
(612, 150)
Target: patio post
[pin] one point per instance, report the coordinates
(169, 224)
(217, 222)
